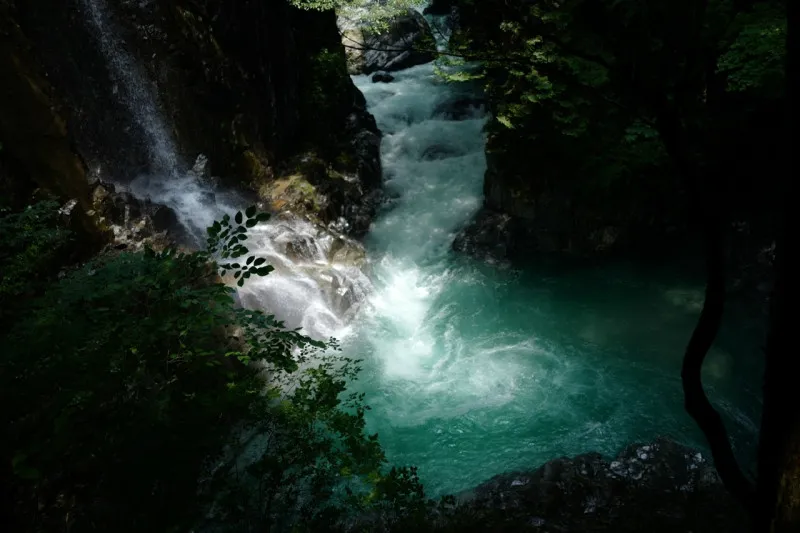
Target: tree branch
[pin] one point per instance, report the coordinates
(695, 400)
(696, 403)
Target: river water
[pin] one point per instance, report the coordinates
(474, 369)
(471, 369)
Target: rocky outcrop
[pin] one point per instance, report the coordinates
(36, 150)
(657, 487)
(132, 222)
(33, 130)
(252, 85)
(408, 41)
(382, 77)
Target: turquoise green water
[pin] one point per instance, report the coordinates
(473, 369)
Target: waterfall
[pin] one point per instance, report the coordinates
(318, 281)
(473, 369)
(470, 369)
(137, 95)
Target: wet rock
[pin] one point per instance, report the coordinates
(300, 248)
(346, 252)
(382, 77)
(367, 146)
(488, 235)
(407, 42)
(659, 487)
(134, 223)
(164, 218)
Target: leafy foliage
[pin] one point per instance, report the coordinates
(756, 57)
(578, 92)
(138, 397)
(31, 242)
(365, 13)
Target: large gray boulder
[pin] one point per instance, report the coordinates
(407, 42)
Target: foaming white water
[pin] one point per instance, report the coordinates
(433, 170)
(318, 283)
(318, 280)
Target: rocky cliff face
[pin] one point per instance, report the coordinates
(567, 173)
(255, 86)
(36, 150)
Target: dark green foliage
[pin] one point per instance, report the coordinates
(32, 245)
(577, 90)
(135, 392)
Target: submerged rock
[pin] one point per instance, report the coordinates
(460, 108)
(382, 77)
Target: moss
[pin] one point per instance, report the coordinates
(254, 169)
(345, 160)
(294, 193)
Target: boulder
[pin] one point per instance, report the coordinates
(662, 486)
(382, 77)
(407, 42)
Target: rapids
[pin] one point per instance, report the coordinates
(471, 369)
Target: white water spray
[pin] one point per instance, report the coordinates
(318, 280)
(138, 95)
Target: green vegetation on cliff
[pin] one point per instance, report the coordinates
(583, 94)
(138, 397)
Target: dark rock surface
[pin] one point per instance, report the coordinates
(382, 77)
(251, 85)
(134, 223)
(407, 42)
(657, 487)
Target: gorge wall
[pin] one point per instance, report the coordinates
(259, 88)
(576, 164)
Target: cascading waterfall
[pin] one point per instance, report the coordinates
(471, 369)
(137, 94)
(318, 280)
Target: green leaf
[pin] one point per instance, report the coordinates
(263, 271)
(251, 211)
(238, 217)
(250, 259)
(259, 261)
(505, 121)
(250, 223)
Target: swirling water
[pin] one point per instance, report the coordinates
(473, 369)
